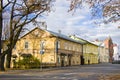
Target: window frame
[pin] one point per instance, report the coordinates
(26, 45)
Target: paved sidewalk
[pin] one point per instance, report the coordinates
(53, 68)
(39, 70)
(104, 71)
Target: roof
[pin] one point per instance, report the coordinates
(78, 39)
(29, 32)
(64, 36)
(99, 43)
(82, 40)
(55, 34)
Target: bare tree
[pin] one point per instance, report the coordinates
(109, 9)
(1, 18)
(21, 12)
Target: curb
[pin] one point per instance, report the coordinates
(38, 70)
(45, 69)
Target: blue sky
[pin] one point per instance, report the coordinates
(80, 23)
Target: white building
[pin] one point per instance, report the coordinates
(116, 54)
(103, 51)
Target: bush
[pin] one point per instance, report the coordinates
(27, 63)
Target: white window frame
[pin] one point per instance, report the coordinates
(65, 46)
(26, 45)
(58, 44)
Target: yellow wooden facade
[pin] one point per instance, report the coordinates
(59, 50)
(90, 51)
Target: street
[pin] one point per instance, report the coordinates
(105, 71)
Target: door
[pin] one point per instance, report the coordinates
(62, 60)
(82, 60)
(62, 63)
(69, 58)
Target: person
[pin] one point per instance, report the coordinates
(88, 61)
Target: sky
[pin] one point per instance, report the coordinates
(79, 23)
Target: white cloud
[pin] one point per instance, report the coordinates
(76, 18)
(5, 2)
(80, 23)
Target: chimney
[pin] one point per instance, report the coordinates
(59, 31)
(74, 35)
(45, 27)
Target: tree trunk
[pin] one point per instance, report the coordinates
(8, 61)
(2, 63)
(1, 26)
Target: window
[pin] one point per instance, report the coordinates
(58, 44)
(58, 59)
(73, 47)
(26, 45)
(78, 48)
(42, 45)
(65, 45)
(69, 46)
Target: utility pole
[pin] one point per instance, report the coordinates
(41, 53)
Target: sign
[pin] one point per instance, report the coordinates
(42, 51)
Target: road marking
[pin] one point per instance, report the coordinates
(69, 73)
(55, 77)
(63, 78)
(75, 79)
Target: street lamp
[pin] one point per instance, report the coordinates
(41, 52)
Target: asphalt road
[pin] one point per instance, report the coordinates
(104, 71)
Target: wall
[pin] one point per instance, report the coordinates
(90, 52)
(69, 53)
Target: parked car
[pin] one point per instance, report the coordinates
(116, 62)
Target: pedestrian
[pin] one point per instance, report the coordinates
(88, 61)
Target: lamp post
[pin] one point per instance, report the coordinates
(41, 52)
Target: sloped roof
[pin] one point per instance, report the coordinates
(101, 44)
(29, 32)
(64, 36)
(78, 39)
(82, 40)
(55, 34)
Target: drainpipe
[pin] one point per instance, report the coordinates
(99, 46)
(82, 56)
(56, 51)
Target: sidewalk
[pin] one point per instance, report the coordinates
(39, 70)
(51, 69)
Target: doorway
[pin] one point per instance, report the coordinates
(62, 60)
(69, 60)
(82, 60)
